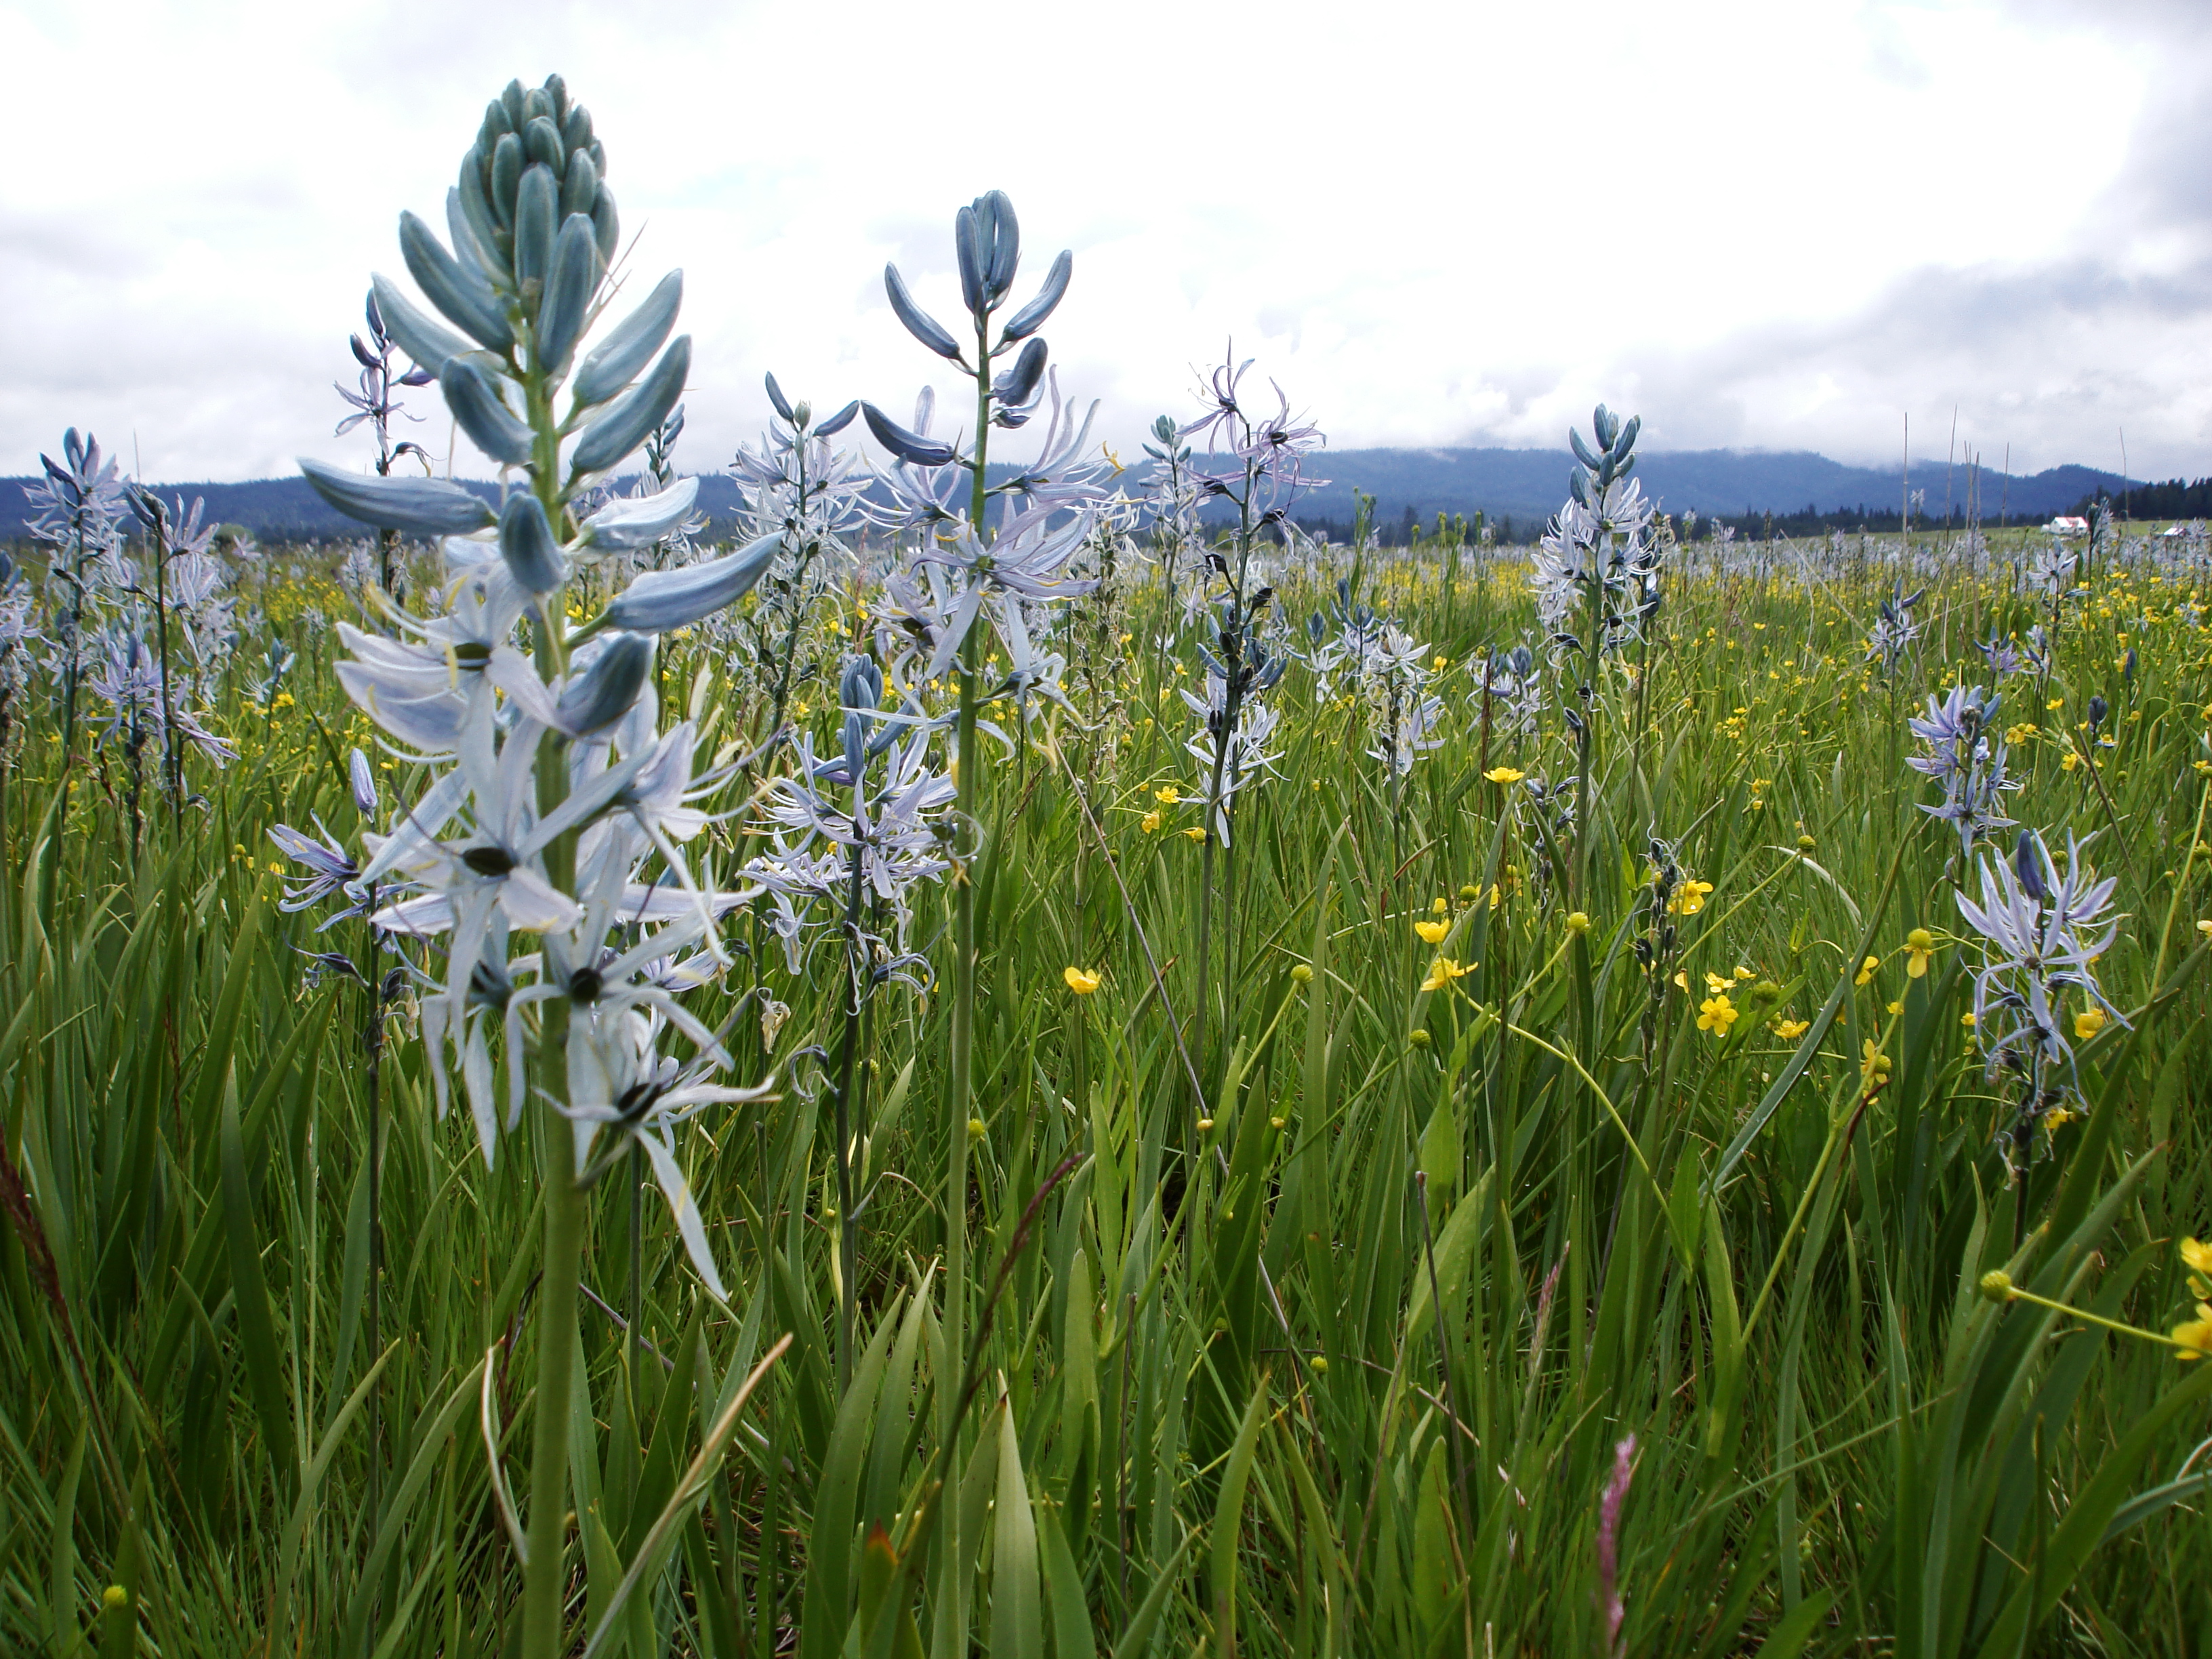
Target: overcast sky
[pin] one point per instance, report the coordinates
(1760, 225)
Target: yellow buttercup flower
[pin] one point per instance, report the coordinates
(1168, 796)
(1919, 946)
(2088, 1023)
(1790, 1030)
(2194, 1337)
(1439, 907)
(1717, 982)
(1082, 983)
(1716, 1014)
(1432, 933)
(1865, 970)
(1504, 775)
(1443, 971)
(1149, 822)
(1874, 1068)
(1968, 1020)
(2196, 1257)
(1195, 834)
(1690, 898)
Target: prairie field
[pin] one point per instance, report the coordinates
(1033, 1068)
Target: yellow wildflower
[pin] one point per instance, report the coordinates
(2069, 761)
(1578, 921)
(1195, 834)
(1504, 774)
(1690, 898)
(1874, 1068)
(1681, 981)
(1443, 971)
(1968, 1020)
(1919, 946)
(1896, 1008)
(1865, 970)
(1790, 1030)
(1438, 906)
(1167, 796)
(1082, 983)
(1716, 1014)
(2088, 1023)
(2194, 1337)
(1432, 933)
(1151, 821)
(1716, 983)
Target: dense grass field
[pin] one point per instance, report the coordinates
(1014, 1068)
(1214, 1408)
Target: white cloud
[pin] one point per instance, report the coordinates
(1433, 223)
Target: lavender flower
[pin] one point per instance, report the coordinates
(1598, 562)
(1961, 757)
(1895, 631)
(328, 870)
(557, 809)
(2040, 939)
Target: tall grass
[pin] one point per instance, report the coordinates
(1350, 1373)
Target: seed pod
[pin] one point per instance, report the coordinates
(574, 279)
(424, 341)
(421, 507)
(613, 363)
(491, 426)
(1031, 317)
(506, 179)
(526, 543)
(537, 209)
(463, 296)
(626, 423)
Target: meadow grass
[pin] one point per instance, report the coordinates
(1378, 1319)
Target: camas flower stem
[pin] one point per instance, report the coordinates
(544, 1575)
(949, 1631)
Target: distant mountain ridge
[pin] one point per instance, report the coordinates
(1527, 485)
